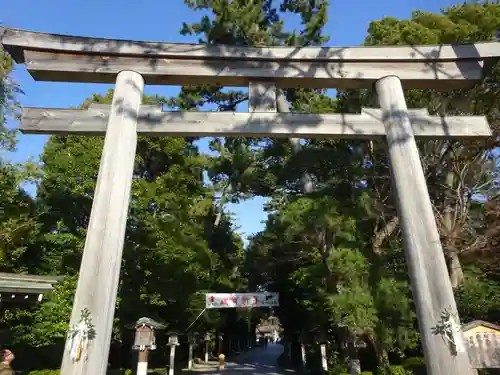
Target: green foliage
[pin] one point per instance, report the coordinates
(400, 370)
(173, 251)
(159, 371)
(352, 306)
(9, 106)
(18, 221)
(342, 280)
(478, 298)
(49, 323)
(110, 372)
(44, 372)
(415, 364)
(395, 370)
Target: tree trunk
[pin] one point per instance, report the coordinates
(306, 182)
(352, 352)
(330, 280)
(354, 362)
(383, 234)
(454, 269)
(381, 354)
(383, 360)
(450, 231)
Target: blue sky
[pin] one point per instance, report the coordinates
(160, 20)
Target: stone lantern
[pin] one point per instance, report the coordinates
(192, 343)
(207, 339)
(322, 339)
(303, 340)
(173, 341)
(221, 340)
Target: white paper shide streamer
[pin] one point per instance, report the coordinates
(456, 333)
(451, 331)
(79, 336)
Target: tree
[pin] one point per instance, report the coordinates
(457, 172)
(303, 261)
(18, 223)
(173, 253)
(8, 101)
(331, 245)
(353, 172)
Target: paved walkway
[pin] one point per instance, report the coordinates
(258, 361)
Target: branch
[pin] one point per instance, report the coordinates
(384, 233)
(307, 183)
(231, 106)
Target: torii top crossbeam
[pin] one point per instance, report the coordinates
(53, 57)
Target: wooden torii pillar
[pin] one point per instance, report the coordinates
(130, 64)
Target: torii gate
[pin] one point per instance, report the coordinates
(130, 64)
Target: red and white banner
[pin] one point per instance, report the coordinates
(243, 300)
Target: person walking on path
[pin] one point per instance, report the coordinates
(6, 358)
(221, 361)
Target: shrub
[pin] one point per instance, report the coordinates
(110, 372)
(159, 371)
(44, 372)
(415, 364)
(400, 370)
(119, 371)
